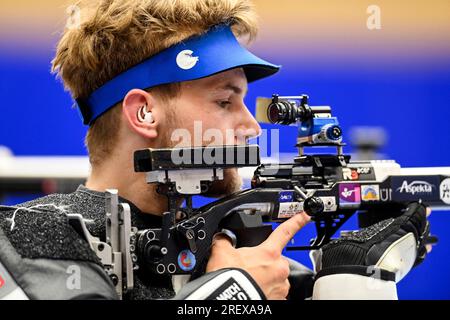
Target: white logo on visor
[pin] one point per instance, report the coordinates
(185, 60)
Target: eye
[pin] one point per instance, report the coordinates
(223, 103)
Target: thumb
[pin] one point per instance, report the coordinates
(222, 241)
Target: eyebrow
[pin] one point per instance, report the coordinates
(235, 89)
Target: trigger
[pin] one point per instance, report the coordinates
(230, 235)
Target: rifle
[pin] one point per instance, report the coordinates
(328, 187)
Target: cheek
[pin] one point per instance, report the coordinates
(221, 120)
(185, 114)
(206, 122)
(218, 132)
(213, 117)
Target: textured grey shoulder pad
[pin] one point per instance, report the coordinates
(224, 284)
(50, 279)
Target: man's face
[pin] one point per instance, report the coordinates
(211, 111)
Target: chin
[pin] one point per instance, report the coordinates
(231, 183)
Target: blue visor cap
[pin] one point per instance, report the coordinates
(201, 56)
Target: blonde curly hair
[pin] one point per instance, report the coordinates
(114, 35)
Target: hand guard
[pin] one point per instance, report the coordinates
(366, 264)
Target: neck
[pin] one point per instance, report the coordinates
(118, 173)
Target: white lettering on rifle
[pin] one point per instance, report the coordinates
(416, 187)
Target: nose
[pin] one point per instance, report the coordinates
(247, 126)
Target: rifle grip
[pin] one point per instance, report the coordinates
(249, 230)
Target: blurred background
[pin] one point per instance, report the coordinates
(394, 75)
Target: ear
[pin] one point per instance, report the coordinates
(132, 104)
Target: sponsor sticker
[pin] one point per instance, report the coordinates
(289, 209)
(444, 190)
(370, 192)
(349, 195)
(364, 170)
(350, 174)
(360, 173)
(415, 188)
(2, 282)
(286, 196)
(186, 260)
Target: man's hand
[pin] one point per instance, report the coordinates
(264, 262)
(366, 264)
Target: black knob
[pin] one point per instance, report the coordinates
(152, 253)
(313, 206)
(114, 278)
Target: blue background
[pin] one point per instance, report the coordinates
(410, 101)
